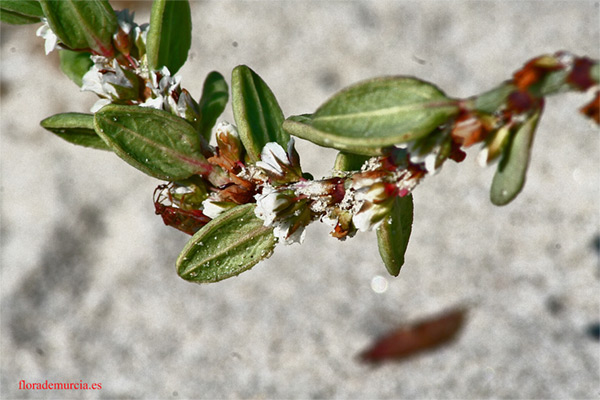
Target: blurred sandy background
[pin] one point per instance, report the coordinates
(88, 286)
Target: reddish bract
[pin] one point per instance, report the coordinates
(188, 221)
(592, 110)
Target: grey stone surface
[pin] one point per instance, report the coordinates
(88, 286)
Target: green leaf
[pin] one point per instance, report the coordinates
(378, 113)
(82, 25)
(492, 100)
(393, 234)
(512, 168)
(75, 128)
(20, 12)
(30, 8)
(256, 112)
(14, 18)
(170, 34)
(349, 161)
(230, 244)
(154, 141)
(215, 95)
(75, 64)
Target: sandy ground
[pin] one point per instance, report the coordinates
(88, 287)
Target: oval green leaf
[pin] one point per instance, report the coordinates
(170, 34)
(75, 64)
(215, 95)
(509, 178)
(20, 12)
(300, 126)
(393, 234)
(377, 113)
(75, 128)
(256, 112)
(230, 244)
(82, 24)
(154, 141)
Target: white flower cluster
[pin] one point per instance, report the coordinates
(112, 82)
(271, 202)
(269, 205)
(107, 79)
(162, 86)
(429, 157)
(103, 78)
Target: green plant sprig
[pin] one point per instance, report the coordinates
(240, 198)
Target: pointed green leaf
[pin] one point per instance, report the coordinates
(30, 8)
(170, 34)
(154, 141)
(374, 114)
(82, 24)
(512, 168)
(75, 64)
(20, 11)
(230, 244)
(215, 95)
(256, 112)
(75, 128)
(349, 162)
(393, 234)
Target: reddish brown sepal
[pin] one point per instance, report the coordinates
(121, 42)
(535, 70)
(591, 110)
(188, 221)
(456, 153)
(520, 101)
(416, 338)
(581, 74)
(239, 191)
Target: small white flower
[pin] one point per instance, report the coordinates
(272, 156)
(162, 91)
(48, 35)
(328, 220)
(281, 230)
(428, 158)
(370, 217)
(116, 78)
(168, 83)
(156, 102)
(213, 209)
(371, 207)
(268, 203)
(227, 129)
(140, 33)
(184, 104)
(362, 221)
(92, 81)
(99, 104)
(125, 20)
(103, 83)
